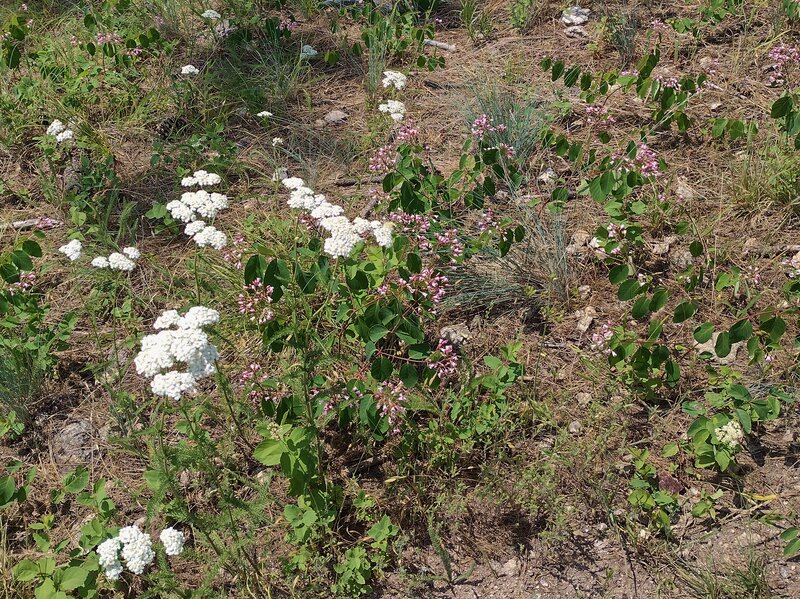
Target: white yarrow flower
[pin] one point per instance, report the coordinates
(100, 262)
(308, 51)
(117, 261)
(132, 252)
(394, 108)
(264, 114)
(72, 250)
(55, 128)
(730, 434)
(65, 135)
(211, 14)
(173, 541)
(394, 79)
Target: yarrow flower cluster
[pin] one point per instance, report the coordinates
(344, 233)
(132, 545)
(308, 51)
(60, 131)
(264, 114)
(483, 125)
(394, 79)
(136, 548)
(72, 250)
(201, 178)
(173, 541)
(180, 339)
(211, 14)
(394, 108)
(197, 205)
(730, 434)
(125, 261)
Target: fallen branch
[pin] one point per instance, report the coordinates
(440, 45)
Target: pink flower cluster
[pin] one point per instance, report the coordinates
(288, 25)
(233, 253)
(671, 82)
(658, 25)
(783, 56)
(648, 160)
(254, 377)
(383, 160)
(487, 221)
(794, 266)
(407, 133)
(255, 302)
(483, 125)
(390, 399)
(601, 339)
(26, 281)
(108, 38)
(598, 114)
(427, 283)
(447, 363)
(449, 239)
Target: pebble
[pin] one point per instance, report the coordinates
(575, 427)
(335, 116)
(511, 567)
(576, 32)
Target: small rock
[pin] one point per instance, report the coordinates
(73, 444)
(575, 15)
(280, 173)
(681, 259)
(511, 567)
(660, 248)
(576, 32)
(683, 190)
(547, 177)
(584, 399)
(581, 237)
(585, 319)
(667, 482)
(575, 427)
(749, 245)
(335, 116)
(709, 345)
(456, 334)
(715, 106)
(584, 291)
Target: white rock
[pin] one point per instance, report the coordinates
(335, 116)
(576, 32)
(575, 15)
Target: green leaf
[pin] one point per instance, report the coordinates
(695, 248)
(684, 311)
(723, 458)
(76, 481)
(381, 369)
(269, 452)
(792, 548)
(629, 289)
(26, 570)
(32, 248)
(377, 332)
(72, 578)
(723, 345)
(745, 420)
(741, 331)
(7, 490)
(780, 108)
(619, 274)
(414, 263)
(703, 332)
(641, 307)
(409, 376)
(670, 449)
(21, 260)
